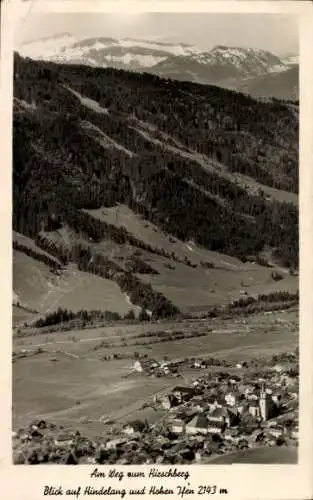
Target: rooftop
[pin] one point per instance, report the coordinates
(199, 421)
(218, 412)
(183, 389)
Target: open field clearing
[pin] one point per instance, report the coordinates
(278, 326)
(20, 315)
(40, 289)
(32, 280)
(77, 392)
(266, 455)
(231, 344)
(122, 216)
(269, 323)
(191, 289)
(69, 382)
(198, 289)
(24, 241)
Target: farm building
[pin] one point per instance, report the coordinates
(145, 365)
(183, 393)
(169, 401)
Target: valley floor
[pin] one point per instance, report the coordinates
(74, 379)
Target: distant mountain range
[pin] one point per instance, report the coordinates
(253, 71)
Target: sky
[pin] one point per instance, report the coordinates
(277, 33)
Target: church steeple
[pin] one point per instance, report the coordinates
(264, 403)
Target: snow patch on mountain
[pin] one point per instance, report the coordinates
(246, 60)
(46, 48)
(228, 67)
(173, 49)
(138, 60)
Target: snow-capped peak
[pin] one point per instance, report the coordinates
(176, 49)
(247, 60)
(46, 48)
(175, 60)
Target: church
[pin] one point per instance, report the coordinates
(264, 407)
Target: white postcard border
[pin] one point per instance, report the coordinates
(249, 482)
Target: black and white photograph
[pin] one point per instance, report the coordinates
(155, 234)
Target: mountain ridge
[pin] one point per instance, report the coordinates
(224, 66)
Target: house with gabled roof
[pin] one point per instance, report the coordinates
(198, 425)
(217, 415)
(178, 424)
(226, 416)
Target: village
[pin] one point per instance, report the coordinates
(256, 408)
(237, 406)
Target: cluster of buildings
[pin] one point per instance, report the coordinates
(154, 367)
(216, 413)
(233, 406)
(213, 414)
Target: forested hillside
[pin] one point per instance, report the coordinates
(202, 163)
(284, 85)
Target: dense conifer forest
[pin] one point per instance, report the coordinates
(133, 149)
